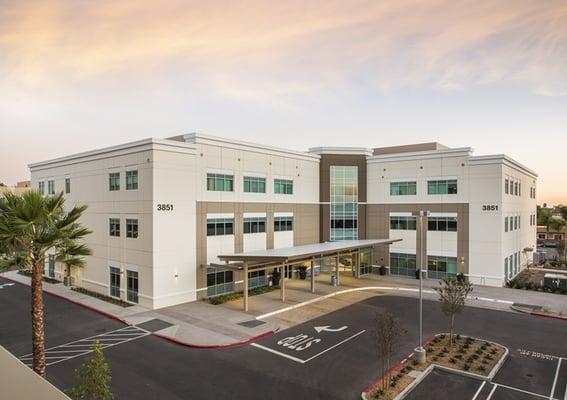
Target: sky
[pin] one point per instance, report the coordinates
(492, 75)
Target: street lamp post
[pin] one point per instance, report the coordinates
(421, 255)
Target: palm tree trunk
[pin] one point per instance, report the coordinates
(38, 334)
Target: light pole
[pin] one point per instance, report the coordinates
(421, 258)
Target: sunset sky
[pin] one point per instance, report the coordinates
(492, 75)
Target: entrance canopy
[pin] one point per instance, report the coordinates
(289, 255)
(284, 257)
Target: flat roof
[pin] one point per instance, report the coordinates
(288, 254)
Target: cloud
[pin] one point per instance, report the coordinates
(257, 51)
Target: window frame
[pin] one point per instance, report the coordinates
(132, 177)
(285, 186)
(113, 181)
(114, 227)
(254, 184)
(220, 182)
(132, 228)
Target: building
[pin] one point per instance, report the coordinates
(19, 188)
(162, 210)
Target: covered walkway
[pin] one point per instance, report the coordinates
(286, 259)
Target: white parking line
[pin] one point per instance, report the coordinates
(479, 390)
(492, 391)
(336, 345)
(556, 377)
(84, 346)
(521, 391)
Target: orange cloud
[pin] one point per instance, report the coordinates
(256, 49)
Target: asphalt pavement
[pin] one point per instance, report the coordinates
(331, 357)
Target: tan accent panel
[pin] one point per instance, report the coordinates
(378, 227)
(305, 228)
(409, 148)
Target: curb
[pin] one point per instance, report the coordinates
(214, 346)
(164, 337)
(538, 314)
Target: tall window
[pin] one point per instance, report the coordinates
(257, 279)
(255, 225)
(448, 186)
(132, 286)
(253, 184)
(403, 188)
(114, 181)
(507, 186)
(506, 224)
(344, 202)
(402, 264)
(283, 186)
(219, 281)
(220, 182)
(282, 224)
(67, 185)
(114, 225)
(131, 180)
(41, 187)
(132, 228)
(220, 226)
(51, 187)
(115, 282)
(440, 267)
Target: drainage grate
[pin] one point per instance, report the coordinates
(252, 323)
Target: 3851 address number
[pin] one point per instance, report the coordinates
(489, 207)
(165, 207)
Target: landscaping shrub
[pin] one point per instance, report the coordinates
(223, 298)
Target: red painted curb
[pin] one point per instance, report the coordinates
(215, 346)
(538, 314)
(165, 337)
(397, 366)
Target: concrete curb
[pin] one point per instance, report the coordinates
(537, 313)
(432, 366)
(164, 337)
(214, 346)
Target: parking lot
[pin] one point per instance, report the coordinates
(331, 357)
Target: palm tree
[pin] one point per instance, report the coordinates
(30, 226)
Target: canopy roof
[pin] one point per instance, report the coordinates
(296, 253)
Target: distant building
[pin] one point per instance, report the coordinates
(19, 188)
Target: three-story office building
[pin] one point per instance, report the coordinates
(162, 210)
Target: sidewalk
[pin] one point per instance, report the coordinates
(195, 324)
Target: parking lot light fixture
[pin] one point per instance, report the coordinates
(421, 256)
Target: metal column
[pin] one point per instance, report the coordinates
(282, 284)
(245, 292)
(312, 275)
(337, 270)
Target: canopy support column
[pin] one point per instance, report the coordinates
(337, 274)
(357, 263)
(245, 292)
(313, 275)
(282, 283)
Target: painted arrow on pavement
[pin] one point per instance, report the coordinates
(6, 284)
(328, 328)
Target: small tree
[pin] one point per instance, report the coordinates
(388, 333)
(92, 379)
(453, 293)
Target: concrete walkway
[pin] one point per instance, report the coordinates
(201, 324)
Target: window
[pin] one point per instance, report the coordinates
(67, 185)
(516, 188)
(442, 187)
(283, 186)
(41, 187)
(506, 268)
(344, 202)
(506, 224)
(441, 267)
(51, 270)
(257, 279)
(132, 286)
(282, 224)
(403, 223)
(131, 180)
(403, 188)
(220, 183)
(220, 226)
(515, 223)
(506, 186)
(442, 224)
(255, 225)
(253, 184)
(114, 181)
(402, 264)
(132, 228)
(219, 281)
(114, 227)
(520, 189)
(51, 187)
(114, 282)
